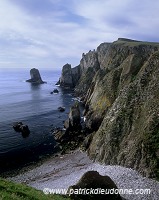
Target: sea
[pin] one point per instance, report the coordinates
(35, 106)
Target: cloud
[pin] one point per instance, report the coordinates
(51, 33)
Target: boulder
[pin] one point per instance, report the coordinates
(94, 181)
(20, 127)
(17, 126)
(24, 129)
(61, 109)
(35, 77)
(55, 91)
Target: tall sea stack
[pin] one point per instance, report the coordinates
(35, 77)
(69, 76)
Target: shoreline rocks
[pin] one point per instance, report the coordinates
(72, 135)
(55, 91)
(20, 127)
(61, 109)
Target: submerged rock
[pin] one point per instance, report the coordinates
(35, 77)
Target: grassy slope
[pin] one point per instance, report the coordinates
(14, 191)
(129, 42)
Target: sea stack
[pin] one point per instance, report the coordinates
(69, 76)
(35, 77)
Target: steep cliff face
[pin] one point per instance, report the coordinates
(69, 76)
(129, 133)
(119, 85)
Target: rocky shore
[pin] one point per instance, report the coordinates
(64, 171)
(118, 86)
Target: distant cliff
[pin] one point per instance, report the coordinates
(119, 84)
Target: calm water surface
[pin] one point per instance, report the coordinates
(34, 106)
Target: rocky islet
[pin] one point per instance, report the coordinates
(35, 77)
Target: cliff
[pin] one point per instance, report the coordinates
(119, 85)
(69, 76)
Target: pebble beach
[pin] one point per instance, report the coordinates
(65, 170)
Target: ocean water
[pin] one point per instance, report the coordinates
(34, 106)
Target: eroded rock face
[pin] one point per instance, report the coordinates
(35, 77)
(71, 137)
(74, 116)
(69, 77)
(119, 87)
(122, 100)
(128, 134)
(93, 180)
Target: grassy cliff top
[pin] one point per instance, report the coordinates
(14, 191)
(129, 42)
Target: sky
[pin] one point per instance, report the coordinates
(51, 33)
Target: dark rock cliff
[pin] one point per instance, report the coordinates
(69, 76)
(119, 86)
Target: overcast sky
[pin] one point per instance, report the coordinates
(50, 33)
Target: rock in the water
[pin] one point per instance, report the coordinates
(61, 109)
(17, 126)
(55, 91)
(93, 181)
(25, 129)
(20, 127)
(66, 77)
(35, 77)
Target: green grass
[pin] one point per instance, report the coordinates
(128, 42)
(15, 191)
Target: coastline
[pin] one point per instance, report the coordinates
(65, 170)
